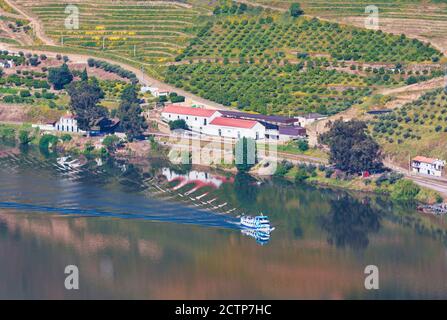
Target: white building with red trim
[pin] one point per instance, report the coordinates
(428, 166)
(234, 125)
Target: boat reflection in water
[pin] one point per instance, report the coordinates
(261, 237)
(257, 227)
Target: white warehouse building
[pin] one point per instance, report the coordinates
(233, 125)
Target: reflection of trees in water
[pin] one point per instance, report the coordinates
(349, 223)
(245, 189)
(132, 179)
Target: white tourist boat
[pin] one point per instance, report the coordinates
(260, 223)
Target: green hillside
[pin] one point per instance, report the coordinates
(417, 128)
(271, 63)
(276, 37)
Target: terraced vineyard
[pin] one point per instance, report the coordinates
(419, 127)
(148, 32)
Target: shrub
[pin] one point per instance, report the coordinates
(24, 137)
(301, 176)
(303, 145)
(25, 93)
(47, 141)
(329, 172)
(282, 168)
(7, 133)
(178, 124)
(66, 138)
(405, 190)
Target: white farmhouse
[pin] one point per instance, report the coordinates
(196, 118)
(428, 166)
(68, 123)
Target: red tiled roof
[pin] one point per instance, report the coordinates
(198, 112)
(424, 159)
(231, 122)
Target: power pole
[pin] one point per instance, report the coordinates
(134, 50)
(103, 43)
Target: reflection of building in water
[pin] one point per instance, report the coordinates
(199, 179)
(261, 237)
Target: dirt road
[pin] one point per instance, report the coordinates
(35, 23)
(80, 58)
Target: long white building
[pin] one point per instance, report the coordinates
(234, 125)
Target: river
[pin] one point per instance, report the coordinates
(163, 232)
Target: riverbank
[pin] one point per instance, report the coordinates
(388, 183)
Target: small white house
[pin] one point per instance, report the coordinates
(428, 166)
(68, 123)
(156, 92)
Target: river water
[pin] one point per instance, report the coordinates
(164, 232)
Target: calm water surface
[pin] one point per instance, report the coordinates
(160, 232)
